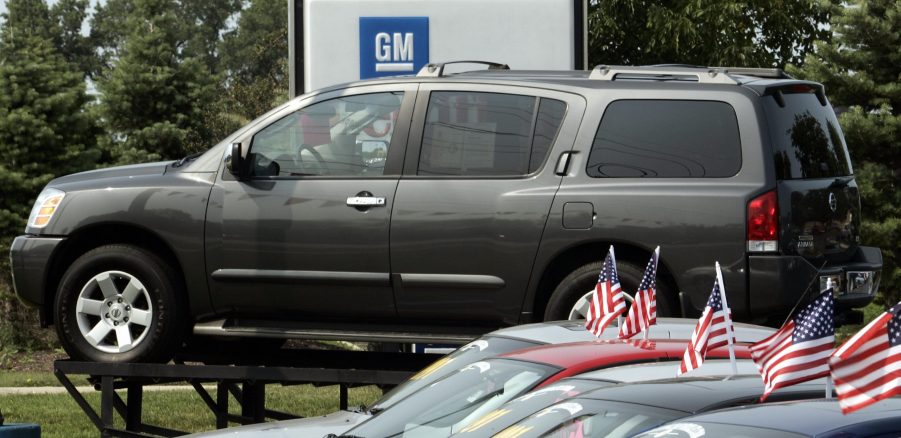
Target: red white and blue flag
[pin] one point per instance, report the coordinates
(712, 331)
(867, 368)
(800, 350)
(607, 302)
(643, 313)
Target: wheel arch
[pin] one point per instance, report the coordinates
(96, 235)
(571, 258)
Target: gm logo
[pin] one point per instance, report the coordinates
(393, 45)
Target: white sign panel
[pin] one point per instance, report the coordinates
(348, 40)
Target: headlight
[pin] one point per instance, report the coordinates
(47, 204)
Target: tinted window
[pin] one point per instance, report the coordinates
(550, 117)
(666, 139)
(348, 136)
(807, 141)
(487, 134)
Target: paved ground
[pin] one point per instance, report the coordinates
(61, 390)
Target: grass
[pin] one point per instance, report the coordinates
(869, 313)
(27, 379)
(59, 415)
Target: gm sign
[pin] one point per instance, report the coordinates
(393, 45)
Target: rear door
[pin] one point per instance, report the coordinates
(478, 183)
(819, 203)
(305, 236)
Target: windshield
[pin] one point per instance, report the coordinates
(698, 430)
(591, 418)
(474, 351)
(453, 402)
(527, 404)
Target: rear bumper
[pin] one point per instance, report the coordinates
(777, 282)
(29, 262)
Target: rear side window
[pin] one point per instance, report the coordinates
(807, 141)
(666, 139)
(487, 134)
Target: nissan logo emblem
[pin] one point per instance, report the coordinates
(833, 203)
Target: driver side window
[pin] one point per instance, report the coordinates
(346, 136)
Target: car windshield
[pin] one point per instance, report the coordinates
(474, 351)
(685, 429)
(527, 404)
(591, 418)
(453, 402)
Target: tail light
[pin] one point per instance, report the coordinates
(763, 223)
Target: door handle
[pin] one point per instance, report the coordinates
(366, 201)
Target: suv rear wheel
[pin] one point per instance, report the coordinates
(570, 298)
(119, 303)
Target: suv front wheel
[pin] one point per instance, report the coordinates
(118, 303)
(569, 299)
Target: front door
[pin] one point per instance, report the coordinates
(305, 235)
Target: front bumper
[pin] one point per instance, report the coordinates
(30, 262)
(776, 283)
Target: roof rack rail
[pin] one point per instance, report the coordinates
(774, 73)
(703, 75)
(436, 70)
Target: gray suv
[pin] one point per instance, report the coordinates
(441, 206)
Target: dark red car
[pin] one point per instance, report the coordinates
(454, 401)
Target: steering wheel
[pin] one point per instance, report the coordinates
(316, 155)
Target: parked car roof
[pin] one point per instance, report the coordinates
(578, 357)
(808, 418)
(556, 332)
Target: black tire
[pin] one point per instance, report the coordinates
(160, 298)
(583, 279)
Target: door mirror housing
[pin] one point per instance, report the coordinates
(235, 161)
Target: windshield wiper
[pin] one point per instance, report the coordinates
(187, 158)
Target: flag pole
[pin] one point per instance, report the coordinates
(619, 318)
(829, 377)
(656, 264)
(727, 317)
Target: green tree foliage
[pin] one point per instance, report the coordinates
(45, 130)
(76, 48)
(155, 97)
(750, 33)
(201, 24)
(861, 69)
(255, 57)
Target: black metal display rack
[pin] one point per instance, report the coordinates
(245, 379)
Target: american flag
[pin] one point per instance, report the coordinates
(867, 368)
(800, 350)
(607, 301)
(709, 333)
(643, 313)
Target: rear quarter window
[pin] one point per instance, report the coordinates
(666, 139)
(807, 140)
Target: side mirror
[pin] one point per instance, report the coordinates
(236, 161)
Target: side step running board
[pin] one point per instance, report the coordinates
(223, 328)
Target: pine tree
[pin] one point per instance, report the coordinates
(45, 128)
(155, 97)
(255, 56)
(861, 69)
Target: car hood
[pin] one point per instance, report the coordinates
(313, 427)
(129, 171)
